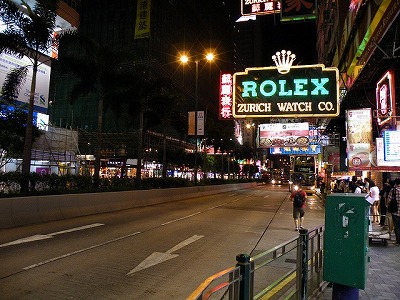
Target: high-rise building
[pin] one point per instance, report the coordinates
(175, 27)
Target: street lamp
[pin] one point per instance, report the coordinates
(185, 59)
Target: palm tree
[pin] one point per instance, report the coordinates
(96, 75)
(163, 108)
(27, 34)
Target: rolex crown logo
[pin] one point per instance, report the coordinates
(283, 61)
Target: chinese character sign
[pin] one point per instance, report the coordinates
(142, 28)
(225, 97)
(298, 10)
(260, 7)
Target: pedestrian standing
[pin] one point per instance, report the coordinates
(299, 202)
(374, 194)
(382, 203)
(394, 194)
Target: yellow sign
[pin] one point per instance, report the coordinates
(142, 28)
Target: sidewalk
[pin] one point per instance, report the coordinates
(383, 280)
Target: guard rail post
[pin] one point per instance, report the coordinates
(243, 262)
(302, 258)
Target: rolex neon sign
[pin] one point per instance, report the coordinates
(286, 90)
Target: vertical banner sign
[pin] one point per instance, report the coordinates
(142, 28)
(359, 138)
(225, 97)
(200, 122)
(192, 123)
(385, 103)
(298, 10)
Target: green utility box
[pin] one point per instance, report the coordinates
(346, 239)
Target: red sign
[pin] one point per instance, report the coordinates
(226, 97)
(385, 95)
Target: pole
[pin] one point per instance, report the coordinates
(196, 100)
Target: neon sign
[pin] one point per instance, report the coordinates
(385, 98)
(225, 97)
(260, 7)
(305, 91)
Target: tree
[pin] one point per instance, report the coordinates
(96, 75)
(163, 109)
(12, 131)
(27, 34)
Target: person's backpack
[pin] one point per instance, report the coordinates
(392, 206)
(298, 200)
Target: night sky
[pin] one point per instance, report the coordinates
(300, 38)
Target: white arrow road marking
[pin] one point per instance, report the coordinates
(39, 237)
(159, 257)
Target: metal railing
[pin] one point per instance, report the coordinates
(292, 270)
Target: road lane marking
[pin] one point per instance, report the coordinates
(158, 257)
(179, 219)
(38, 237)
(78, 251)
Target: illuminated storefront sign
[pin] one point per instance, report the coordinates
(298, 10)
(304, 91)
(385, 96)
(260, 7)
(310, 150)
(225, 97)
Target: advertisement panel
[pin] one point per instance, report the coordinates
(359, 138)
(284, 135)
(304, 91)
(9, 62)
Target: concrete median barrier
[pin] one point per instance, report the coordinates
(19, 211)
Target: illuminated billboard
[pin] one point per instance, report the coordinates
(385, 99)
(9, 62)
(359, 138)
(303, 91)
(260, 7)
(283, 135)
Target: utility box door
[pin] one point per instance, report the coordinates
(346, 239)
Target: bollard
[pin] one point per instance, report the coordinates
(344, 292)
(303, 259)
(243, 261)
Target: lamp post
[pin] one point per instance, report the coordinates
(185, 59)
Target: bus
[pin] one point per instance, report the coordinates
(303, 172)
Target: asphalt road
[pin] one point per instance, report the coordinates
(158, 252)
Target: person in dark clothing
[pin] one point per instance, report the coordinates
(352, 184)
(382, 204)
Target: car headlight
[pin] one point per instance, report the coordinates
(273, 181)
